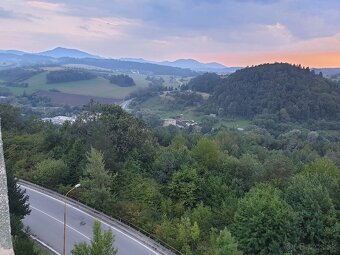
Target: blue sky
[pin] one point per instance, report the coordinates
(234, 32)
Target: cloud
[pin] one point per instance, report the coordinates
(7, 14)
(46, 6)
(170, 28)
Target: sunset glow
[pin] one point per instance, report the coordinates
(235, 33)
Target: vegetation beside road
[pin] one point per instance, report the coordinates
(202, 194)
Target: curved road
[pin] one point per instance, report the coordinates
(46, 224)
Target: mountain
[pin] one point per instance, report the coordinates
(287, 91)
(15, 52)
(200, 67)
(327, 71)
(193, 64)
(60, 52)
(115, 64)
(10, 60)
(189, 63)
(139, 60)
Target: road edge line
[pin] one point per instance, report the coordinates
(44, 245)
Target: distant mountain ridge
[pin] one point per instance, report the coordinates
(191, 64)
(18, 58)
(60, 52)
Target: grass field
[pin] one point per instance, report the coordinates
(99, 86)
(158, 106)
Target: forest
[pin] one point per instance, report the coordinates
(122, 80)
(206, 82)
(225, 192)
(293, 92)
(61, 76)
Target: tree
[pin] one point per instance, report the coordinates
(22, 245)
(184, 185)
(263, 223)
(329, 176)
(18, 208)
(96, 182)
(188, 234)
(10, 117)
(277, 168)
(122, 80)
(206, 153)
(101, 244)
(315, 213)
(168, 160)
(226, 244)
(50, 172)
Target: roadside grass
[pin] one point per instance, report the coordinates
(40, 249)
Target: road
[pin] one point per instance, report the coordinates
(46, 224)
(126, 104)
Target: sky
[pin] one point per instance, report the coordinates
(231, 32)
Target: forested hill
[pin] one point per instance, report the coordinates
(291, 91)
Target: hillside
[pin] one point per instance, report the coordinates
(291, 91)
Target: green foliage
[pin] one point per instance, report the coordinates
(188, 234)
(18, 208)
(179, 185)
(264, 222)
(206, 153)
(170, 160)
(22, 245)
(101, 244)
(315, 213)
(124, 134)
(204, 217)
(184, 185)
(122, 80)
(10, 117)
(50, 172)
(226, 244)
(205, 83)
(278, 89)
(240, 173)
(96, 182)
(329, 176)
(18, 74)
(277, 169)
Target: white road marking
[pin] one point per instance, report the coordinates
(60, 222)
(135, 240)
(45, 245)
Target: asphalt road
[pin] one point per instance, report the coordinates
(46, 223)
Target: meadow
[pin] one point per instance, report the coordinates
(99, 87)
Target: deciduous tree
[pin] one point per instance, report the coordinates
(101, 244)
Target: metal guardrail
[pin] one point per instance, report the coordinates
(123, 225)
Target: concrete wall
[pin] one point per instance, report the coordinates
(5, 227)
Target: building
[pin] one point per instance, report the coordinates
(60, 120)
(169, 122)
